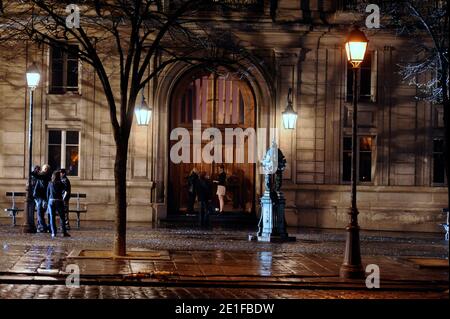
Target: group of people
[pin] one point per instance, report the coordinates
(199, 187)
(51, 195)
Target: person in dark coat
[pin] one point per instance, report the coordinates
(203, 192)
(66, 195)
(55, 191)
(192, 192)
(40, 196)
(31, 200)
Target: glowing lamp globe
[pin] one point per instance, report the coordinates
(33, 76)
(355, 47)
(289, 115)
(143, 113)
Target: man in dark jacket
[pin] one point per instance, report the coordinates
(32, 203)
(192, 192)
(203, 189)
(66, 195)
(40, 196)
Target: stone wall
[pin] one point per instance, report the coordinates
(311, 60)
(393, 208)
(85, 111)
(99, 201)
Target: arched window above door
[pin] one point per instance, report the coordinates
(215, 100)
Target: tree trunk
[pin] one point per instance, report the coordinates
(446, 107)
(120, 176)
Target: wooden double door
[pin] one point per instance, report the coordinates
(220, 101)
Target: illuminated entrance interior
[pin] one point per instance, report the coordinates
(220, 101)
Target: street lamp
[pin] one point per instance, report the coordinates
(143, 112)
(355, 48)
(289, 115)
(33, 78)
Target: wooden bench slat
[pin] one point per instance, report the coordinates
(18, 194)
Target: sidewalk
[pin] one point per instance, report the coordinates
(183, 257)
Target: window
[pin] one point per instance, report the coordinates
(357, 5)
(438, 161)
(64, 151)
(214, 100)
(249, 6)
(347, 4)
(364, 160)
(64, 69)
(347, 160)
(367, 78)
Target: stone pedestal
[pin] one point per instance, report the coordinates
(273, 222)
(272, 225)
(267, 215)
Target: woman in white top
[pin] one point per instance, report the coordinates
(221, 190)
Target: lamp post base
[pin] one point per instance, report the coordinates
(352, 271)
(29, 227)
(28, 230)
(352, 266)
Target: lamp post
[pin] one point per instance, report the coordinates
(143, 112)
(355, 47)
(289, 115)
(33, 78)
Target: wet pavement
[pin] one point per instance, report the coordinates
(99, 235)
(218, 262)
(11, 291)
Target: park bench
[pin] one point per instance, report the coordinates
(78, 209)
(14, 210)
(445, 225)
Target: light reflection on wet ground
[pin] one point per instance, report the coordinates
(218, 252)
(189, 237)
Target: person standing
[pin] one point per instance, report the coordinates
(55, 204)
(221, 189)
(40, 196)
(66, 195)
(192, 192)
(31, 200)
(203, 189)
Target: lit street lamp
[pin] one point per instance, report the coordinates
(289, 115)
(143, 112)
(355, 48)
(33, 78)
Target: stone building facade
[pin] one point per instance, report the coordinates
(400, 156)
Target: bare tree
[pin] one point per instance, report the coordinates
(426, 24)
(135, 31)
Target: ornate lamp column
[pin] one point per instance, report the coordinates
(33, 78)
(355, 47)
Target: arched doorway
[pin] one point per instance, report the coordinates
(219, 100)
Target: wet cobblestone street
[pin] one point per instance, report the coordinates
(10, 291)
(191, 263)
(99, 235)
